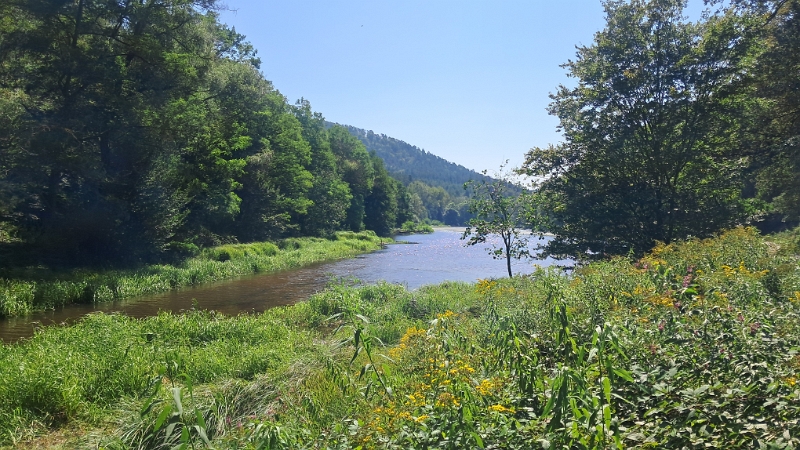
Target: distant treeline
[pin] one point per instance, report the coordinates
(131, 131)
(436, 186)
(408, 163)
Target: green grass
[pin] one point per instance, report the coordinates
(696, 345)
(41, 291)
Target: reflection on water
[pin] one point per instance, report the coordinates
(427, 259)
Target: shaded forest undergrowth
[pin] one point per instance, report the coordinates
(25, 290)
(696, 344)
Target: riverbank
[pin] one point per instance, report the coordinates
(37, 291)
(695, 345)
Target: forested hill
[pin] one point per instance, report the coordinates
(408, 163)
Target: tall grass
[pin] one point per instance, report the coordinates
(696, 345)
(70, 373)
(20, 296)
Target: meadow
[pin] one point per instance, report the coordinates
(23, 291)
(697, 344)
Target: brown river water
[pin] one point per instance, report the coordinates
(425, 259)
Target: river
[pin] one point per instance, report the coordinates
(423, 259)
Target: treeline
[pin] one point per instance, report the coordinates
(131, 131)
(435, 186)
(674, 128)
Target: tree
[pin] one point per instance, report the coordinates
(435, 198)
(451, 216)
(648, 130)
(330, 195)
(355, 166)
(88, 152)
(773, 136)
(405, 212)
(380, 206)
(497, 212)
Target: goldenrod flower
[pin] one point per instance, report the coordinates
(447, 399)
(445, 315)
(500, 409)
(485, 388)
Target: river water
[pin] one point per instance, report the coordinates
(423, 259)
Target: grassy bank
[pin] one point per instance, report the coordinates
(410, 227)
(695, 345)
(35, 289)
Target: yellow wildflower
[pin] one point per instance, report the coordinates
(500, 409)
(411, 333)
(485, 388)
(447, 399)
(484, 287)
(445, 315)
(416, 399)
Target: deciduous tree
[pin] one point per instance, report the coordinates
(497, 212)
(648, 130)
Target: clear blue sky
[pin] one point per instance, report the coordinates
(465, 80)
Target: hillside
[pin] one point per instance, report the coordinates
(408, 163)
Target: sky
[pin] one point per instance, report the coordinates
(466, 80)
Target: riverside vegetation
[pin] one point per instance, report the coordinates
(410, 227)
(696, 344)
(27, 290)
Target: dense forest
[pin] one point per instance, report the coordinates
(674, 128)
(133, 131)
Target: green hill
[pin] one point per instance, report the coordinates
(407, 163)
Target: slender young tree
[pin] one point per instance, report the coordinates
(497, 212)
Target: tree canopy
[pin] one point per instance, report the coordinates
(772, 139)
